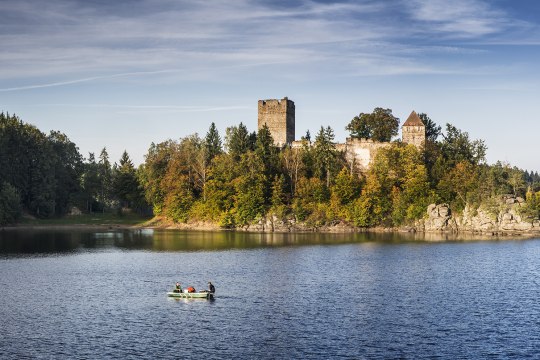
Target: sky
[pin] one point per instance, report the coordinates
(124, 74)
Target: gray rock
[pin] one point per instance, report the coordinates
(506, 217)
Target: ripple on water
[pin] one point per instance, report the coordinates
(355, 299)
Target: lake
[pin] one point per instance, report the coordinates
(102, 294)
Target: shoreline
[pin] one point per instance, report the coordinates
(158, 224)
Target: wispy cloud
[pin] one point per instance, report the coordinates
(71, 42)
(460, 18)
(125, 108)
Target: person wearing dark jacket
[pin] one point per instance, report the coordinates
(211, 288)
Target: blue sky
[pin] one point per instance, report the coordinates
(123, 74)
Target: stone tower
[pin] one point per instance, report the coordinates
(413, 131)
(278, 115)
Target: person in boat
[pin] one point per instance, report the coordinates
(178, 288)
(211, 288)
(190, 289)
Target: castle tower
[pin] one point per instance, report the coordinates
(278, 115)
(413, 131)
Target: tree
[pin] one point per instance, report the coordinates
(268, 155)
(238, 140)
(396, 189)
(45, 170)
(250, 187)
(105, 196)
(346, 187)
(68, 169)
(278, 196)
(325, 154)
(459, 184)
(10, 204)
(212, 144)
(456, 147)
(292, 162)
(433, 131)
(90, 182)
(380, 125)
(125, 184)
(220, 187)
(517, 182)
(155, 167)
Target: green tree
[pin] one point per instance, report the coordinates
(125, 183)
(433, 131)
(250, 189)
(380, 125)
(456, 147)
(10, 204)
(212, 144)
(269, 157)
(90, 183)
(105, 196)
(459, 184)
(220, 187)
(397, 188)
(346, 187)
(68, 169)
(155, 167)
(325, 154)
(238, 140)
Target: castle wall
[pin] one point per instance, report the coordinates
(279, 116)
(361, 151)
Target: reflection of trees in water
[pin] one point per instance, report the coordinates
(30, 241)
(54, 241)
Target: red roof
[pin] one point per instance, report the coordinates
(413, 120)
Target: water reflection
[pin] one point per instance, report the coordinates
(19, 241)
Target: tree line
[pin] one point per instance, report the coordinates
(44, 175)
(246, 179)
(243, 178)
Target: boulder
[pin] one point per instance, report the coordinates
(438, 217)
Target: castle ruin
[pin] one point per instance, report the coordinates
(278, 115)
(413, 131)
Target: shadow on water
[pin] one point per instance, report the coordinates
(24, 241)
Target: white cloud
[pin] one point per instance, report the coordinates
(70, 42)
(461, 18)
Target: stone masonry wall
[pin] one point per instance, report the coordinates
(361, 151)
(279, 116)
(415, 135)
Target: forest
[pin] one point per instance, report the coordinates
(242, 178)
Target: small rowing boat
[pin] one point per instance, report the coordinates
(193, 295)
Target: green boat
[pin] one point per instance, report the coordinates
(195, 295)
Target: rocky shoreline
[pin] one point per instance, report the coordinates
(502, 220)
(506, 218)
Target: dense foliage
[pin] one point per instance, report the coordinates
(245, 178)
(45, 175)
(380, 125)
(250, 180)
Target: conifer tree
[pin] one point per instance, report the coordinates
(212, 143)
(238, 141)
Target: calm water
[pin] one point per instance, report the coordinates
(102, 295)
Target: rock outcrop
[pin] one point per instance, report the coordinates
(506, 218)
(438, 218)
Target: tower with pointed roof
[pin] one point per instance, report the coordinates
(413, 131)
